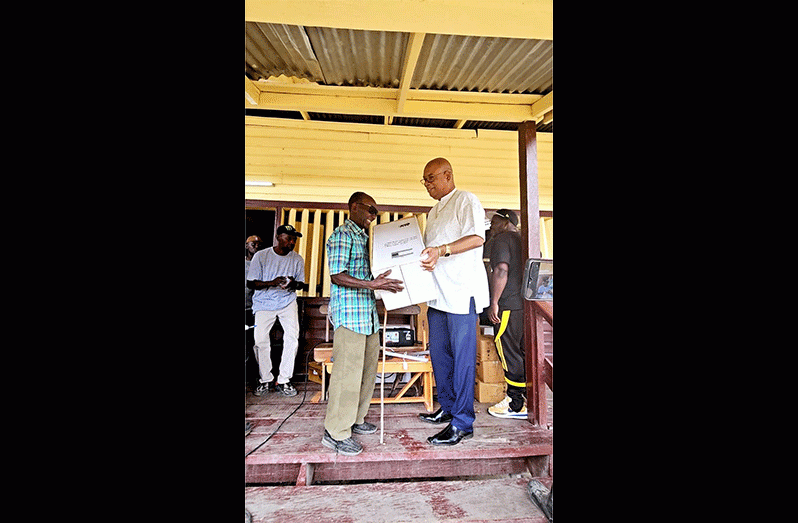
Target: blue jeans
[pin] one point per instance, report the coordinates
(453, 349)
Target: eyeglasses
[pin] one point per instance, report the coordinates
(431, 178)
(372, 210)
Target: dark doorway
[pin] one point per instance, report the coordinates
(261, 223)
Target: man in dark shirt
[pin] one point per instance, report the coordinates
(506, 310)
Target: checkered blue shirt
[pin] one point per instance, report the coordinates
(355, 309)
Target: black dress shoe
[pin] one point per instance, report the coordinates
(450, 436)
(436, 417)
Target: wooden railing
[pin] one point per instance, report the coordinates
(539, 369)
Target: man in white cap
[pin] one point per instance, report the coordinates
(275, 274)
(506, 311)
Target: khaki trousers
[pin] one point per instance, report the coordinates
(352, 380)
(264, 321)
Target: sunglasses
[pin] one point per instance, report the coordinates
(372, 210)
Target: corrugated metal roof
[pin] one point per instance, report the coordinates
(424, 122)
(275, 49)
(499, 126)
(374, 59)
(476, 63)
(359, 58)
(351, 57)
(325, 55)
(353, 118)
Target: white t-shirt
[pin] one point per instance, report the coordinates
(460, 276)
(266, 265)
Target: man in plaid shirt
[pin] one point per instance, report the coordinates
(353, 310)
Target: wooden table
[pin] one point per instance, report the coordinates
(320, 369)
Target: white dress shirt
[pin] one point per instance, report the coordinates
(459, 276)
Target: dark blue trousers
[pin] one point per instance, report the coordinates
(453, 349)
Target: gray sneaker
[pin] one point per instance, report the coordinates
(364, 428)
(262, 389)
(347, 447)
(286, 389)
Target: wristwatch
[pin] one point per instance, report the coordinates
(448, 251)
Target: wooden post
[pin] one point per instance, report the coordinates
(530, 247)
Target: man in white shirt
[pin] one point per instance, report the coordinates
(275, 274)
(454, 235)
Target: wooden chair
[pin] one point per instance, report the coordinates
(321, 366)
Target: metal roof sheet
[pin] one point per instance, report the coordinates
(374, 59)
(275, 49)
(350, 57)
(484, 64)
(359, 58)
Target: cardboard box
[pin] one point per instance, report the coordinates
(397, 245)
(323, 353)
(490, 371)
(489, 392)
(486, 349)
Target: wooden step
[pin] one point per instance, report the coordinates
(295, 454)
(484, 501)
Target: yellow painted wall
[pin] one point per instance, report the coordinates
(547, 237)
(327, 161)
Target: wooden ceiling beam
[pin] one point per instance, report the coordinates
(543, 106)
(408, 68)
(419, 103)
(413, 107)
(251, 92)
(508, 19)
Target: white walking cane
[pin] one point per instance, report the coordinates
(382, 381)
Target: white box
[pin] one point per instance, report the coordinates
(397, 246)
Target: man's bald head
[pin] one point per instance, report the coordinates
(438, 178)
(438, 164)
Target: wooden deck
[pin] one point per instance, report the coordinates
(483, 501)
(295, 456)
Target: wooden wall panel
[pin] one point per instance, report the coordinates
(327, 161)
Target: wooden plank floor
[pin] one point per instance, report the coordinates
(483, 501)
(295, 451)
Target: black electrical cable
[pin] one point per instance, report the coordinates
(304, 395)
